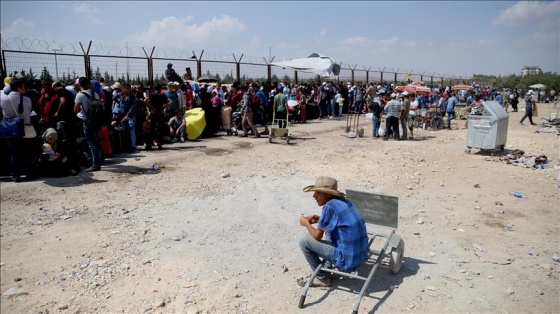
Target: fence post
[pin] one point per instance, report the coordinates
(238, 67)
(87, 61)
(367, 73)
(352, 70)
(381, 76)
(198, 64)
(395, 75)
(150, 65)
(268, 68)
(3, 66)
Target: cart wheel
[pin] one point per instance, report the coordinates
(361, 133)
(287, 140)
(270, 139)
(437, 123)
(502, 147)
(395, 258)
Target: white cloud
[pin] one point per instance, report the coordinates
(89, 12)
(85, 8)
(19, 28)
(486, 42)
(524, 11)
(352, 41)
(411, 43)
(176, 32)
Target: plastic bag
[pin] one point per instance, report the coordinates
(381, 131)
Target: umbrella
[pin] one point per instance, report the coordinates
(196, 122)
(462, 87)
(415, 89)
(207, 78)
(315, 63)
(537, 86)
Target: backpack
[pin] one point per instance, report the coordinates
(95, 113)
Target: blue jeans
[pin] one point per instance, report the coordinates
(93, 138)
(131, 125)
(358, 106)
(450, 116)
(323, 109)
(376, 125)
(404, 127)
(331, 107)
(313, 250)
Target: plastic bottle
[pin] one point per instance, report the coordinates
(518, 194)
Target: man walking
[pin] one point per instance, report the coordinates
(529, 107)
(451, 103)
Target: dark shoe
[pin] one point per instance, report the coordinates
(265, 133)
(242, 135)
(258, 135)
(93, 169)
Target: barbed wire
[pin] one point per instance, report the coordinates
(61, 48)
(43, 46)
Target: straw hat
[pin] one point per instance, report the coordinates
(325, 185)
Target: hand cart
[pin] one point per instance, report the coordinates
(379, 212)
(278, 132)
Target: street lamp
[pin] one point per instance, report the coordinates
(56, 61)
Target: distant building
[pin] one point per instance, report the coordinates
(531, 70)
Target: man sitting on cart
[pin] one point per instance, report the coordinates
(346, 242)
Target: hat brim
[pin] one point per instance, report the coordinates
(312, 188)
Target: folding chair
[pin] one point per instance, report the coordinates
(378, 211)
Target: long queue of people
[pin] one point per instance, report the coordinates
(83, 122)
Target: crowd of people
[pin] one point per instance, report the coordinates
(83, 122)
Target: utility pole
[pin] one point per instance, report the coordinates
(116, 72)
(127, 63)
(56, 62)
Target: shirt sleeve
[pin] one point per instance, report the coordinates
(328, 220)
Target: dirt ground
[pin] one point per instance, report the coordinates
(216, 229)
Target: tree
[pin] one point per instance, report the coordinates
(97, 74)
(45, 76)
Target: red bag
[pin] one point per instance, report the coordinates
(105, 141)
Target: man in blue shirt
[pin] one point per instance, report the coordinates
(346, 242)
(451, 103)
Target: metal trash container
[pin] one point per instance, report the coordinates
(489, 130)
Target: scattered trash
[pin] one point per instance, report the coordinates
(431, 288)
(420, 221)
(527, 160)
(137, 158)
(477, 185)
(555, 258)
(499, 203)
(478, 247)
(14, 292)
(154, 166)
(17, 279)
(518, 194)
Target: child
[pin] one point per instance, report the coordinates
(340, 101)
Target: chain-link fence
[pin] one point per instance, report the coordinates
(65, 62)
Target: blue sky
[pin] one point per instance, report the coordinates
(442, 37)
